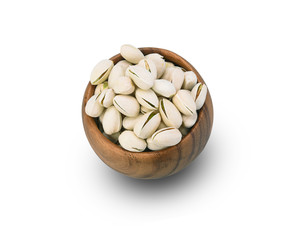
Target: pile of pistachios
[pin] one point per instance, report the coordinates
(144, 101)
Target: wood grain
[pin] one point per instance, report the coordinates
(156, 164)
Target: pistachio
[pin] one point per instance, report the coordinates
(147, 124)
(117, 72)
(141, 77)
(184, 102)
(112, 121)
(131, 53)
(101, 71)
(129, 122)
(169, 64)
(124, 64)
(129, 141)
(147, 98)
(152, 145)
(101, 116)
(166, 137)
(190, 80)
(184, 131)
(100, 87)
(149, 65)
(199, 93)
(93, 108)
(189, 121)
(159, 62)
(144, 110)
(177, 78)
(170, 114)
(167, 73)
(162, 125)
(106, 97)
(164, 88)
(124, 86)
(127, 105)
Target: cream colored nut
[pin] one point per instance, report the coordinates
(170, 114)
(106, 97)
(117, 72)
(124, 64)
(199, 93)
(124, 85)
(101, 116)
(101, 71)
(177, 78)
(144, 110)
(129, 141)
(184, 102)
(147, 124)
(131, 53)
(150, 66)
(100, 87)
(164, 88)
(189, 121)
(162, 125)
(167, 73)
(158, 61)
(152, 146)
(147, 98)
(190, 80)
(166, 137)
(129, 122)
(184, 131)
(127, 105)
(141, 77)
(112, 121)
(93, 108)
(169, 64)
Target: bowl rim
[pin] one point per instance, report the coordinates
(147, 50)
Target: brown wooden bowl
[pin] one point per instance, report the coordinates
(154, 164)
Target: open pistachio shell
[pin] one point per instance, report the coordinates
(123, 64)
(199, 93)
(106, 97)
(170, 114)
(117, 72)
(93, 108)
(141, 77)
(152, 145)
(190, 80)
(184, 102)
(177, 78)
(124, 86)
(101, 116)
(131, 53)
(159, 62)
(101, 71)
(147, 124)
(168, 73)
(112, 121)
(129, 122)
(189, 121)
(149, 65)
(129, 141)
(144, 110)
(167, 137)
(127, 105)
(164, 88)
(100, 87)
(147, 98)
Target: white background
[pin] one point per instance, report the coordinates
(53, 186)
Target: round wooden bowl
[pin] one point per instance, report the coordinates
(153, 164)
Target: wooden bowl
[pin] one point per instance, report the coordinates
(154, 164)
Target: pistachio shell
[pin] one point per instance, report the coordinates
(169, 64)
(106, 97)
(124, 64)
(166, 137)
(147, 124)
(164, 88)
(184, 102)
(162, 125)
(184, 131)
(190, 80)
(199, 93)
(152, 146)
(167, 73)
(127, 105)
(129, 141)
(131, 53)
(159, 62)
(144, 110)
(101, 71)
(124, 85)
(170, 114)
(189, 121)
(117, 72)
(93, 108)
(129, 122)
(101, 116)
(112, 121)
(177, 78)
(147, 98)
(149, 65)
(100, 87)
(141, 77)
